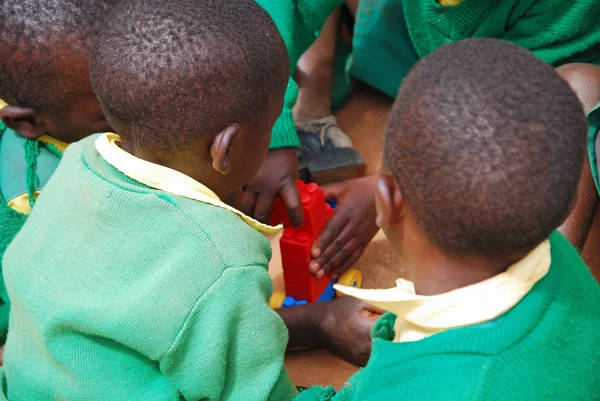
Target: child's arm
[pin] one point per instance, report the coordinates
(343, 326)
(556, 31)
(351, 228)
(232, 345)
(584, 79)
(277, 177)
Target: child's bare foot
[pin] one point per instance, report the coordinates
(352, 227)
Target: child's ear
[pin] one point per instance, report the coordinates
(23, 120)
(220, 149)
(390, 201)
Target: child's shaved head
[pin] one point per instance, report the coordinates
(167, 71)
(486, 143)
(44, 45)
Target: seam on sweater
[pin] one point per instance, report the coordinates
(479, 384)
(200, 299)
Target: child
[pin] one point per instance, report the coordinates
(482, 157)
(50, 101)
(153, 288)
(390, 36)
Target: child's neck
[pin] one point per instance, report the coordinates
(433, 272)
(184, 162)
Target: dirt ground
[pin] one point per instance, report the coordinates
(363, 119)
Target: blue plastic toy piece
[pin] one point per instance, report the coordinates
(329, 292)
(332, 203)
(291, 301)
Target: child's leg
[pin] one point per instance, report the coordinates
(585, 81)
(314, 73)
(326, 153)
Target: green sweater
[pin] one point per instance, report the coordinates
(142, 295)
(391, 35)
(545, 348)
(299, 22)
(17, 175)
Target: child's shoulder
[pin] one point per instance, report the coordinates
(209, 228)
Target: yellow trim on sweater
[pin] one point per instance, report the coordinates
(166, 179)
(60, 145)
(449, 2)
(21, 203)
(423, 316)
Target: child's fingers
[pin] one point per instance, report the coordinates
(248, 202)
(340, 256)
(262, 209)
(332, 229)
(349, 261)
(290, 196)
(335, 246)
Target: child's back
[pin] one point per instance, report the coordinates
(546, 347)
(483, 152)
(138, 286)
(152, 288)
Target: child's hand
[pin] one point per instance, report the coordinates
(277, 177)
(346, 328)
(350, 229)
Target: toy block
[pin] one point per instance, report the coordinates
(295, 257)
(314, 208)
(296, 244)
(313, 205)
(291, 301)
(310, 293)
(298, 293)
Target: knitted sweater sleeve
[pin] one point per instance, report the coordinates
(558, 32)
(593, 119)
(284, 131)
(232, 345)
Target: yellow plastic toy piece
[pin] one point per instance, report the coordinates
(276, 299)
(352, 278)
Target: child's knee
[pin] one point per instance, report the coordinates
(585, 81)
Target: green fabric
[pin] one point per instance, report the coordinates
(143, 295)
(10, 224)
(21, 171)
(545, 348)
(593, 119)
(298, 22)
(386, 45)
(25, 167)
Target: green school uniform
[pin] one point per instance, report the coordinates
(16, 175)
(593, 119)
(299, 22)
(390, 36)
(143, 295)
(544, 348)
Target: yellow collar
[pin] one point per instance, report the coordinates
(422, 316)
(166, 179)
(60, 145)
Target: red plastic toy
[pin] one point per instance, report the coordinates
(301, 286)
